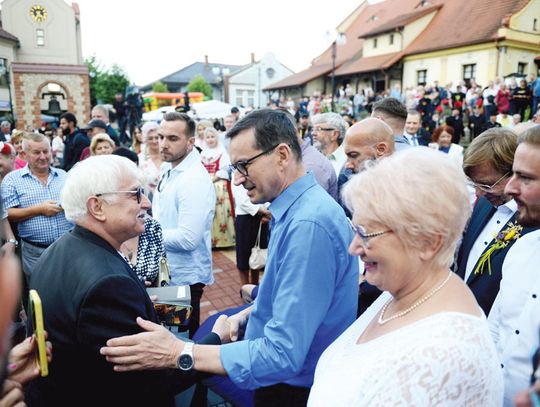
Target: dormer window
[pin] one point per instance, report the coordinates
(374, 42)
(535, 24)
(391, 39)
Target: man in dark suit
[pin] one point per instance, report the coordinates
(91, 294)
(488, 165)
(415, 134)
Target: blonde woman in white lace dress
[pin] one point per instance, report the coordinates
(425, 341)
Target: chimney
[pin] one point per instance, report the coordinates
(252, 57)
(206, 60)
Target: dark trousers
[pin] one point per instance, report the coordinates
(280, 395)
(194, 319)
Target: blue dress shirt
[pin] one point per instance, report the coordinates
(308, 296)
(22, 189)
(184, 203)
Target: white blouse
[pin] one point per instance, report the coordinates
(447, 359)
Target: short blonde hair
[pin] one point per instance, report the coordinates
(419, 194)
(495, 147)
(99, 138)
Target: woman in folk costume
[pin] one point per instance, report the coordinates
(216, 160)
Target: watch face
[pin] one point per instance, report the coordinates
(38, 13)
(185, 362)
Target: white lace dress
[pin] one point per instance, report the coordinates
(447, 359)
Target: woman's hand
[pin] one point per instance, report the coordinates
(12, 394)
(23, 363)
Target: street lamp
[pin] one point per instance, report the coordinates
(221, 72)
(338, 38)
(4, 71)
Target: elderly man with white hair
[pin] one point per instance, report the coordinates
(90, 293)
(328, 133)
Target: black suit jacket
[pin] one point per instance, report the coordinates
(89, 295)
(484, 286)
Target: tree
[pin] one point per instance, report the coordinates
(159, 87)
(198, 84)
(105, 82)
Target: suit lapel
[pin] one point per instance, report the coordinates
(483, 211)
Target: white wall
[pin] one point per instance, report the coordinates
(248, 84)
(62, 37)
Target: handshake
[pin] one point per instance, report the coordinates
(231, 329)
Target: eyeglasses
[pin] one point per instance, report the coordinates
(484, 187)
(364, 237)
(242, 166)
(318, 129)
(139, 192)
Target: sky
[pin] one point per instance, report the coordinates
(151, 39)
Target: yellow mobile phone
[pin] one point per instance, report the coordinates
(36, 321)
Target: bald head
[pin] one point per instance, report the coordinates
(369, 139)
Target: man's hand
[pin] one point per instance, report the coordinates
(12, 395)
(23, 363)
(50, 208)
(265, 215)
(222, 329)
(157, 348)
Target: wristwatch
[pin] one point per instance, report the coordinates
(185, 360)
(13, 241)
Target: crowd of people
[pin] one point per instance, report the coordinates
(401, 260)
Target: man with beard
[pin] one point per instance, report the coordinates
(488, 165)
(68, 124)
(328, 133)
(515, 320)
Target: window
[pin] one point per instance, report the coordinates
(251, 98)
(391, 39)
(421, 77)
(3, 68)
(239, 97)
(469, 72)
(535, 26)
(522, 68)
(374, 42)
(40, 37)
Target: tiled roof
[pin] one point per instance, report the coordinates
(456, 23)
(402, 21)
(369, 64)
(302, 77)
(186, 74)
(7, 36)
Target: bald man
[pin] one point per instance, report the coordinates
(369, 139)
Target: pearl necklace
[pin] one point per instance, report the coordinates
(383, 321)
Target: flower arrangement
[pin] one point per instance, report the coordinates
(502, 239)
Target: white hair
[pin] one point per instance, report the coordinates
(95, 175)
(430, 200)
(147, 127)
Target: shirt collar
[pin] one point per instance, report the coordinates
(284, 201)
(509, 207)
(192, 157)
(26, 171)
(336, 155)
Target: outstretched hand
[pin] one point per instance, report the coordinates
(156, 348)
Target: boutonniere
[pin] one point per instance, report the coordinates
(502, 239)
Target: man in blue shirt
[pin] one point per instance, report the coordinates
(309, 292)
(31, 196)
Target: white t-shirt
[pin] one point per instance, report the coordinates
(447, 359)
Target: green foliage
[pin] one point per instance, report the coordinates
(159, 87)
(105, 82)
(198, 84)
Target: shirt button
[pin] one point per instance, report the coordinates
(485, 243)
(498, 221)
(502, 365)
(517, 331)
(534, 295)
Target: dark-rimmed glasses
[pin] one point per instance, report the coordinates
(364, 237)
(484, 187)
(139, 192)
(318, 129)
(242, 165)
